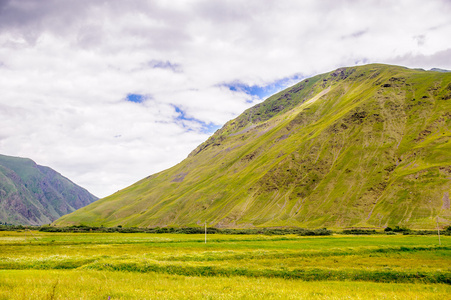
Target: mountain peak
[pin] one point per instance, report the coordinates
(363, 146)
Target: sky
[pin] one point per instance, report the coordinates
(109, 92)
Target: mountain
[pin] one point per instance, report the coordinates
(34, 195)
(440, 70)
(366, 146)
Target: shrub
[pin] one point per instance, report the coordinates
(359, 231)
(401, 229)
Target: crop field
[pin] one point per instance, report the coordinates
(41, 265)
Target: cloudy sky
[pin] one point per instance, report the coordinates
(108, 92)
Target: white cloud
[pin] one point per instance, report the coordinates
(66, 68)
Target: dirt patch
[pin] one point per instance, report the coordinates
(423, 134)
(281, 138)
(319, 95)
(446, 203)
(244, 130)
(297, 89)
(342, 73)
(179, 177)
(249, 157)
(446, 171)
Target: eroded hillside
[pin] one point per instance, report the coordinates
(365, 146)
(31, 194)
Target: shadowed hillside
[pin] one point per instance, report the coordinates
(34, 195)
(364, 146)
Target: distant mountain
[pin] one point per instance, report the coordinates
(366, 146)
(439, 70)
(34, 195)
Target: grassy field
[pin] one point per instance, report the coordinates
(38, 265)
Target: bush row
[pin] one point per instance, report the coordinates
(190, 230)
(213, 230)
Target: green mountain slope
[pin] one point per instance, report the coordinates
(34, 195)
(365, 146)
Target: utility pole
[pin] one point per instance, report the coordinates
(30, 233)
(205, 231)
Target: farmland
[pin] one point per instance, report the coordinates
(42, 265)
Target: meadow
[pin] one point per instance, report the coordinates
(43, 265)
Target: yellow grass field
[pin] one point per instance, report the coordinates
(37, 265)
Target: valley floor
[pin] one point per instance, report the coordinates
(177, 266)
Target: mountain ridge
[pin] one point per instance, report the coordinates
(31, 194)
(363, 146)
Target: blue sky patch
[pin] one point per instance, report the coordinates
(206, 127)
(265, 91)
(136, 98)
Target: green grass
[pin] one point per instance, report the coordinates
(178, 266)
